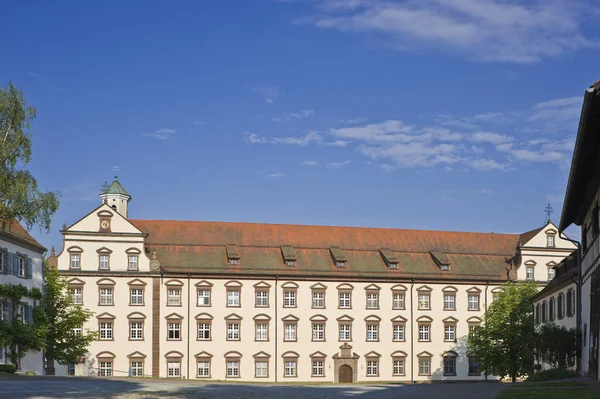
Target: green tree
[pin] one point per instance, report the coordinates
(20, 198)
(18, 332)
(61, 318)
(556, 344)
(504, 345)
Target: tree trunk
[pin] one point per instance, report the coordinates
(50, 370)
(514, 378)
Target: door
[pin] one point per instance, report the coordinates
(345, 373)
(594, 324)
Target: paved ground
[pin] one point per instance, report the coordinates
(94, 388)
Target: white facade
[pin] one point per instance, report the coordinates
(21, 264)
(161, 313)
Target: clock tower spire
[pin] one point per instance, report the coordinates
(115, 196)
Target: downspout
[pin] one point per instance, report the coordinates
(487, 282)
(578, 315)
(188, 327)
(276, 324)
(412, 334)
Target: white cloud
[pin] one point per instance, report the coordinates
(294, 116)
(338, 164)
(338, 143)
(353, 121)
(537, 156)
(301, 141)
(310, 163)
(160, 134)
(481, 164)
(488, 30)
(387, 167)
(487, 137)
(274, 175)
(268, 93)
(414, 154)
(559, 115)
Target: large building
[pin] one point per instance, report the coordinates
(581, 207)
(267, 302)
(20, 264)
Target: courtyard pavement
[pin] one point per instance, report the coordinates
(95, 388)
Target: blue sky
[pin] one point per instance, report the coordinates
(429, 114)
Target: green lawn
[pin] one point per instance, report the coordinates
(550, 392)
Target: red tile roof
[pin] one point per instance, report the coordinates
(16, 230)
(200, 246)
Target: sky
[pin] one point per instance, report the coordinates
(430, 114)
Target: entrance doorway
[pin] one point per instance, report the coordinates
(345, 373)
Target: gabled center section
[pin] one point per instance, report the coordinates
(339, 258)
(233, 255)
(441, 259)
(289, 255)
(389, 258)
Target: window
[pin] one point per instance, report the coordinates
(203, 297)
(345, 332)
(262, 299)
(472, 327)
(233, 331)
(345, 300)
(22, 269)
(372, 368)
(318, 299)
(233, 298)
(173, 297)
(2, 262)
(318, 332)
(70, 369)
(424, 366)
(398, 300)
(544, 306)
(133, 262)
(372, 332)
(174, 331)
(77, 331)
(424, 301)
(424, 330)
(473, 301)
(551, 273)
(289, 299)
(174, 369)
(449, 365)
(103, 262)
(1, 310)
(473, 367)
(262, 332)
(233, 368)
(136, 296)
(551, 305)
(318, 369)
(105, 369)
(106, 330)
(75, 261)
(570, 307)
(106, 296)
(529, 276)
(290, 368)
(22, 312)
(495, 296)
(289, 332)
(137, 369)
(372, 300)
(560, 303)
(77, 295)
(538, 313)
(204, 331)
(136, 330)
(203, 368)
(398, 367)
(449, 301)
(261, 368)
(450, 332)
(550, 240)
(398, 334)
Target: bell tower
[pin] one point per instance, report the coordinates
(115, 196)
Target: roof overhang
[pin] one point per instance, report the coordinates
(584, 177)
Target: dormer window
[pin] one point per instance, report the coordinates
(289, 255)
(441, 259)
(233, 256)
(389, 258)
(339, 258)
(290, 263)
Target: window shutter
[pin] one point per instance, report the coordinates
(29, 268)
(30, 314)
(16, 264)
(9, 308)
(10, 262)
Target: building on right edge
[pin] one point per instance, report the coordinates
(581, 207)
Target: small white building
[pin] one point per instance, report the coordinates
(21, 262)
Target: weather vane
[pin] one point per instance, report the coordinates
(548, 210)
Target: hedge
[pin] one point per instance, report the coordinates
(7, 368)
